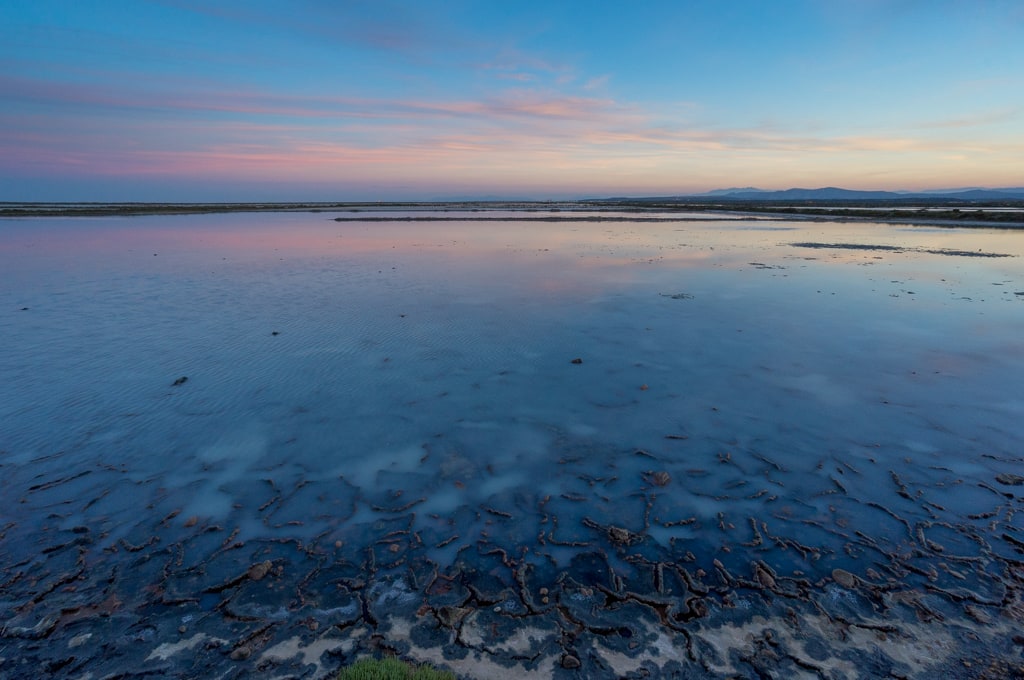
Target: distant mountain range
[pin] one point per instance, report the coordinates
(838, 194)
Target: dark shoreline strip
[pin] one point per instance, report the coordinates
(975, 217)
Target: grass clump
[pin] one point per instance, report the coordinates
(391, 669)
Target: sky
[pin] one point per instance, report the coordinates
(323, 100)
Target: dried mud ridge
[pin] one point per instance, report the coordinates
(531, 588)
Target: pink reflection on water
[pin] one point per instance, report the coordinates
(577, 245)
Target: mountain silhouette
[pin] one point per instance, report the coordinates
(840, 194)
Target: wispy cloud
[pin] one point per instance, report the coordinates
(507, 104)
(522, 136)
(977, 120)
(302, 137)
(516, 65)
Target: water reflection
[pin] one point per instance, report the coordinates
(389, 415)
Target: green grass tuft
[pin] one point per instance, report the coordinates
(391, 669)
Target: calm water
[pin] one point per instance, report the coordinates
(772, 426)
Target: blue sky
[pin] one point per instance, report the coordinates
(319, 100)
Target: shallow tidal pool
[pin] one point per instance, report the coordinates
(266, 444)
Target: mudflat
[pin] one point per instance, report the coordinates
(531, 441)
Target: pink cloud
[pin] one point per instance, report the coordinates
(508, 105)
(523, 137)
(978, 120)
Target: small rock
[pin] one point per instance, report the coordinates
(543, 591)
(844, 578)
(763, 577)
(191, 521)
(570, 661)
(1010, 479)
(241, 653)
(258, 571)
(622, 536)
(577, 360)
(451, 616)
(180, 381)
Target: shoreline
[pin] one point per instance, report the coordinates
(943, 215)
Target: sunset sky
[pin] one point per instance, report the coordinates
(182, 100)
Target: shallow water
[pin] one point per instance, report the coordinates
(765, 419)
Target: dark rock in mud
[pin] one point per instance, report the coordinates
(452, 616)
(844, 578)
(257, 571)
(621, 536)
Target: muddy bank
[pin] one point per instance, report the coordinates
(616, 577)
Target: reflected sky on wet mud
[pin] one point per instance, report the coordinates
(772, 426)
